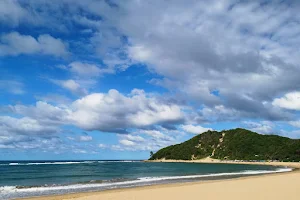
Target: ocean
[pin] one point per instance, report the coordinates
(37, 178)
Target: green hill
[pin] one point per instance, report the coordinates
(235, 144)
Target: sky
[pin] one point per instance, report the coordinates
(112, 79)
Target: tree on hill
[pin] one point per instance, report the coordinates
(235, 144)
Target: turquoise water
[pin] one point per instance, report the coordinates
(35, 178)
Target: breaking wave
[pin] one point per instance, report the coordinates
(9, 192)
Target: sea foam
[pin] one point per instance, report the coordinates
(9, 192)
(65, 163)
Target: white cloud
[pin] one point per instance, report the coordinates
(84, 76)
(25, 126)
(42, 135)
(84, 69)
(87, 69)
(85, 21)
(195, 129)
(127, 142)
(107, 44)
(15, 44)
(114, 112)
(228, 62)
(219, 112)
(40, 144)
(71, 138)
(102, 146)
(295, 123)
(12, 12)
(38, 127)
(288, 101)
(108, 112)
(85, 138)
(52, 46)
(54, 98)
(135, 138)
(80, 151)
(157, 135)
(147, 140)
(263, 127)
(219, 50)
(140, 53)
(258, 49)
(116, 148)
(195, 54)
(43, 112)
(295, 134)
(12, 86)
(71, 85)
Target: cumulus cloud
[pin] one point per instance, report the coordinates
(40, 134)
(11, 11)
(264, 127)
(71, 85)
(54, 98)
(195, 129)
(115, 112)
(40, 144)
(295, 134)
(85, 138)
(102, 146)
(295, 123)
(127, 142)
(147, 140)
(43, 112)
(226, 49)
(130, 137)
(30, 134)
(106, 112)
(15, 44)
(84, 69)
(24, 126)
(220, 50)
(84, 76)
(227, 60)
(288, 101)
(111, 112)
(37, 127)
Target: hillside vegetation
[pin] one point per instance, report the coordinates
(235, 144)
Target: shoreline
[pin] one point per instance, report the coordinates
(208, 160)
(183, 190)
(118, 194)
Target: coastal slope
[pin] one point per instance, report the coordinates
(235, 144)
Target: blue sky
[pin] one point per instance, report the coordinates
(117, 79)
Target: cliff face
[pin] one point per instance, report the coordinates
(235, 144)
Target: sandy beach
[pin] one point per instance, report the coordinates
(211, 160)
(273, 186)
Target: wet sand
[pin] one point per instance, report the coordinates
(263, 187)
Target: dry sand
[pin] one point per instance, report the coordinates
(211, 160)
(264, 187)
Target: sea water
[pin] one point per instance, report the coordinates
(37, 178)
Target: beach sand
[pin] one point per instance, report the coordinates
(264, 187)
(211, 160)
